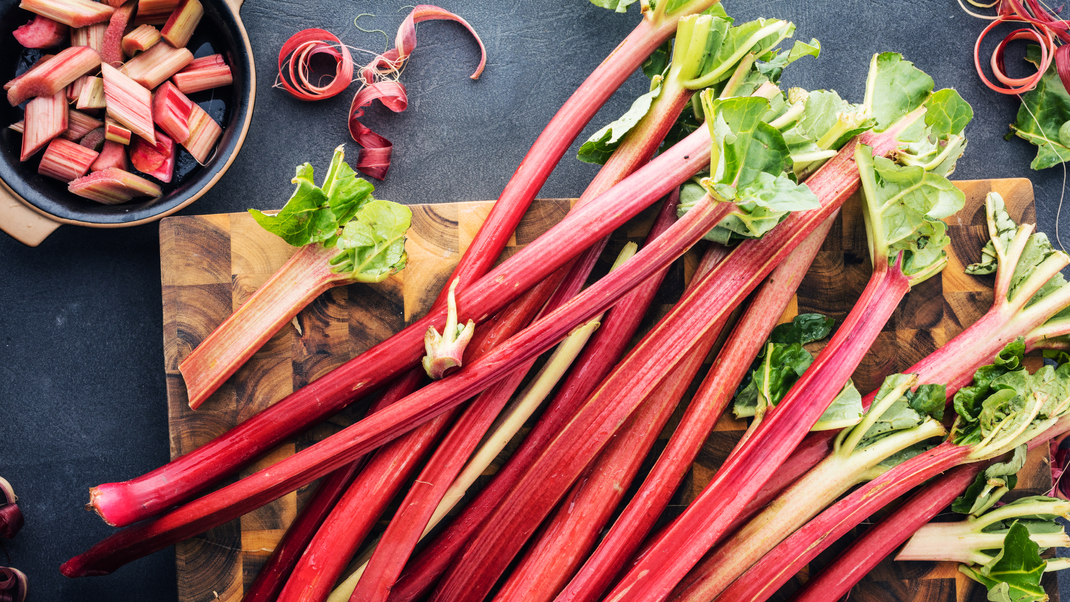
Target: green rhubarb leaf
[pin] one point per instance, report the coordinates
(773, 66)
(827, 123)
(936, 143)
(902, 205)
(899, 415)
(1044, 111)
(1037, 249)
(346, 193)
(762, 205)
(990, 485)
(302, 220)
(372, 245)
(744, 145)
(657, 63)
(803, 329)
(895, 87)
(844, 411)
(947, 114)
(1001, 231)
(602, 143)
(928, 400)
(1014, 574)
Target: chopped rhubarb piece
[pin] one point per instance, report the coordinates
(74, 89)
(18, 126)
(180, 25)
(156, 160)
(46, 118)
(75, 13)
(92, 95)
(115, 132)
(171, 111)
(48, 77)
(141, 39)
(41, 32)
(113, 186)
(94, 139)
(203, 134)
(65, 160)
(90, 35)
(152, 67)
(79, 124)
(40, 61)
(129, 103)
(111, 46)
(155, 12)
(203, 74)
(112, 154)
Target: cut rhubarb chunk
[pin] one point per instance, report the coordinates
(94, 139)
(180, 25)
(112, 154)
(111, 47)
(75, 13)
(65, 160)
(40, 61)
(156, 160)
(203, 74)
(79, 124)
(113, 186)
(129, 103)
(45, 118)
(143, 37)
(91, 95)
(171, 111)
(203, 134)
(74, 89)
(90, 35)
(154, 66)
(155, 12)
(115, 132)
(41, 32)
(51, 76)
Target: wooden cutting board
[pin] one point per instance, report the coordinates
(212, 263)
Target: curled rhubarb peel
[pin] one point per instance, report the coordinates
(13, 585)
(1048, 31)
(296, 55)
(379, 79)
(11, 519)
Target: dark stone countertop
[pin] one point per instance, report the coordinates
(82, 397)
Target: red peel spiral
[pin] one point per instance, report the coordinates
(296, 55)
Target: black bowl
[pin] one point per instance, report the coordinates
(46, 203)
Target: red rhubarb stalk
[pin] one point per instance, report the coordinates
(45, 118)
(203, 74)
(65, 160)
(129, 103)
(142, 38)
(112, 154)
(47, 78)
(156, 160)
(166, 486)
(712, 397)
(154, 66)
(113, 186)
(335, 451)
(276, 571)
(79, 124)
(75, 13)
(41, 32)
(183, 21)
(111, 46)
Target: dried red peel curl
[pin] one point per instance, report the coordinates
(1043, 28)
(13, 585)
(296, 55)
(11, 519)
(380, 83)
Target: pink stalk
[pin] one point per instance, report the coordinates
(749, 465)
(171, 111)
(111, 46)
(276, 571)
(112, 154)
(335, 451)
(90, 35)
(113, 186)
(392, 466)
(710, 401)
(156, 160)
(142, 38)
(183, 21)
(121, 503)
(598, 358)
(203, 74)
(408, 526)
(79, 124)
(11, 82)
(836, 579)
(75, 13)
(45, 118)
(117, 133)
(203, 134)
(129, 103)
(154, 66)
(47, 78)
(155, 12)
(41, 32)
(91, 95)
(65, 160)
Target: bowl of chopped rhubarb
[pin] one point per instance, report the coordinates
(117, 113)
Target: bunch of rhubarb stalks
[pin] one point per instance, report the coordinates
(128, 83)
(752, 175)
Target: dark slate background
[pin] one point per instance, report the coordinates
(82, 397)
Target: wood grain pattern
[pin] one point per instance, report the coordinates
(210, 265)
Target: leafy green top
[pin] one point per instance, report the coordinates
(342, 214)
